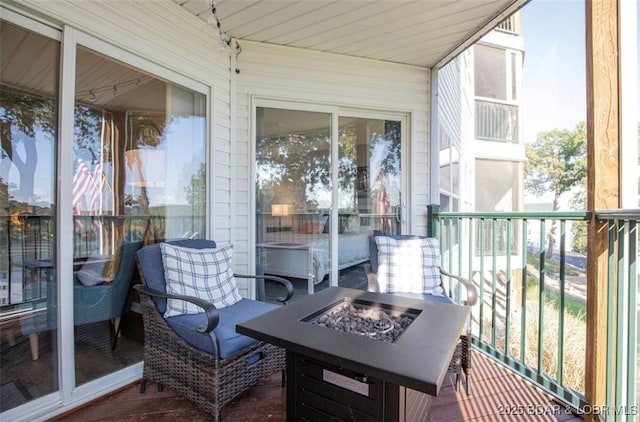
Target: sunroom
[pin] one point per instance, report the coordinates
(257, 124)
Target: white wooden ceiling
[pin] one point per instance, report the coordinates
(419, 32)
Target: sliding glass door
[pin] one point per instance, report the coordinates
(130, 157)
(315, 215)
(369, 190)
(293, 193)
(28, 130)
(138, 178)
(370, 176)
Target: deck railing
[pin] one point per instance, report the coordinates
(531, 313)
(622, 395)
(496, 121)
(27, 239)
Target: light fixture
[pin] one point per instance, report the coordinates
(279, 210)
(115, 89)
(223, 39)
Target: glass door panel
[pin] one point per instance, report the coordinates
(293, 194)
(370, 175)
(28, 131)
(369, 189)
(139, 178)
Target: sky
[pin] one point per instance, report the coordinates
(554, 65)
(554, 75)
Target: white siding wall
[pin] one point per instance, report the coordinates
(456, 116)
(449, 101)
(169, 36)
(467, 133)
(267, 71)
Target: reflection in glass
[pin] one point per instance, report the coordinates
(127, 194)
(293, 191)
(28, 131)
(369, 175)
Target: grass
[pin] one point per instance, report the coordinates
(574, 307)
(572, 338)
(551, 266)
(573, 344)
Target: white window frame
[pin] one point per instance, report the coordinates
(509, 75)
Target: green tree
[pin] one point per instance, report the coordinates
(196, 191)
(21, 114)
(25, 111)
(556, 163)
(296, 165)
(579, 228)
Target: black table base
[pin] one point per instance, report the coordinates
(320, 391)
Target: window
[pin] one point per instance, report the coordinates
(139, 178)
(28, 130)
(490, 72)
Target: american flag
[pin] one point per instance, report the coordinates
(82, 180)
(98, 179)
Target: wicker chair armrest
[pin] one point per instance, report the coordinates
(209, 309)
(472, 292)
(286, 283)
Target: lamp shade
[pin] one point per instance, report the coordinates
(279, 210)
(145, 167)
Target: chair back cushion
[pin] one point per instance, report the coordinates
(203, 273)
(373, 247)
(408, 265)
(152, 270)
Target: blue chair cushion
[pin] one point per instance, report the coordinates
(227, 340)
(429, 297)
(434, 298)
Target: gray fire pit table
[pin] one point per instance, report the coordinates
(333, 375)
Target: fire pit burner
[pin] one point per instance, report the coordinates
(365, 320)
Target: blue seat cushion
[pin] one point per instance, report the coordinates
(227, 340)
(429, 297)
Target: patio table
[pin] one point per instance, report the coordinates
(352, 377)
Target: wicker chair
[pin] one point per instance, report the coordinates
(461, 361)
(200, 355)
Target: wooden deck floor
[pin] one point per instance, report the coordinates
(495, 390)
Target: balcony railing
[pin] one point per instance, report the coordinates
(622, 393)
(27, 241)
(496, 122)
(531, 314)
(509, 25)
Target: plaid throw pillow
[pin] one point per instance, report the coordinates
(203, 273)
(408, 265)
